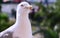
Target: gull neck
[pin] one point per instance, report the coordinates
(21, 16)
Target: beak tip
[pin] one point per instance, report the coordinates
(31, 7)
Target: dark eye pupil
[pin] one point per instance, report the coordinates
(22, 5)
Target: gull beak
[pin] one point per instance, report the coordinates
(29, 7)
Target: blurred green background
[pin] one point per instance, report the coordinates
(45, 21)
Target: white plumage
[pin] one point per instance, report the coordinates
(22, 27)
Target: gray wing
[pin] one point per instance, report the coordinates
(7, 35)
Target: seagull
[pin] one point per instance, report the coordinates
(22, 26)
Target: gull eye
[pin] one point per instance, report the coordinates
(22, 5)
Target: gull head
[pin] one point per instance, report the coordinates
(24, 7)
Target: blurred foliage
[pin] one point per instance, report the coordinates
(4, 21)
(3, 16)
(50, 15)
(50, 34)
(0, 1)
